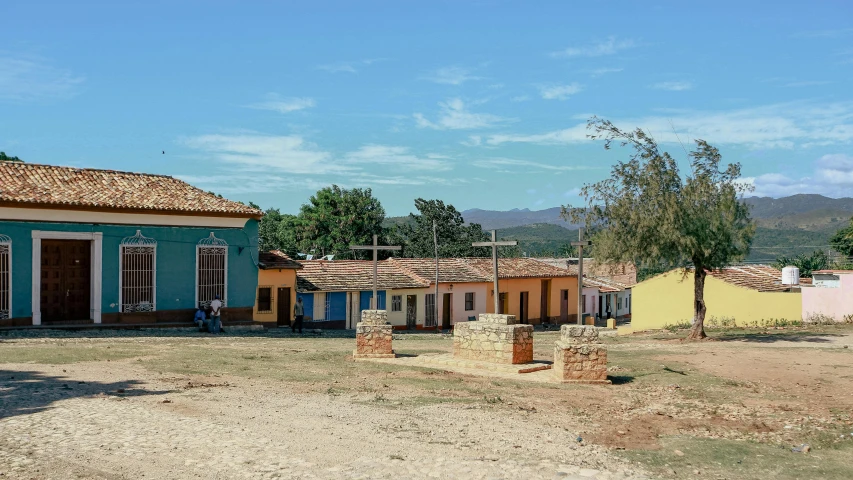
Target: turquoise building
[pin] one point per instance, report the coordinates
(82, 246)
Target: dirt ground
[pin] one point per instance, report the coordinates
(271, 405)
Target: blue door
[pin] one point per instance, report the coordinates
(337, 305)
(308, 305)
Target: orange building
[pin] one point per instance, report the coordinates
(276, 292)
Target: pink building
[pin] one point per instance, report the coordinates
(830, 294)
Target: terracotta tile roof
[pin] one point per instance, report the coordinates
(517, 268)
(27, 183)
(277, 259)
(353, 275)
(602, 285)
(450, 270)
(756, 277)
(624, 274)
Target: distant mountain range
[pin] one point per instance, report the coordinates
(786, 226)
(808, 212)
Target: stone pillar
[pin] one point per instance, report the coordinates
(494, 338)
(579, 356)
(373, 335)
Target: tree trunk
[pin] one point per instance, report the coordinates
(698, 330)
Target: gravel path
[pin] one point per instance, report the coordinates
(76, 424)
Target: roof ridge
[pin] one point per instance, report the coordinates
(89, 169)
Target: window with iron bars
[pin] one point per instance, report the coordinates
(430, 310)
(5, 277)
(264, 299)
(469, 301)
(396, 303)
(138, 274)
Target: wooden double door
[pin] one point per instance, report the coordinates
(65, 280)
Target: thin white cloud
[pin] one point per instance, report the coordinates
(559, 92)
(282, 153)
(283, 105)
(348, 67)
(673, 86)
(608, 47)
(832, 176)
(27, 78)
(527, 165)
(520, 98)
(773, 126)
(225, 182)
(453, 75)
(455, 116)
(473, 141)
(398, 157)
(603, 71)
(808, 83)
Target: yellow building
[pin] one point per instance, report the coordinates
(746, 294)
(276, 293)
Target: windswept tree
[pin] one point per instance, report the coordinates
(646, 213)
(842, 241)
(454, 235)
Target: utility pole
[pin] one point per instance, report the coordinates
(580, 244)
(435, 303)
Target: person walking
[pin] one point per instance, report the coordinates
(215, 315)
(298, 315)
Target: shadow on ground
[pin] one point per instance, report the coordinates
(806, 337)
(27, 392)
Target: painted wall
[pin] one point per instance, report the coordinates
(457, 307)
(285, 277)
(176, 259)
(514, 287)
(832, 302)
(668, 299)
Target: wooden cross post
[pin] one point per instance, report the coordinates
(374, 302)
(495, 244)
(580, 244)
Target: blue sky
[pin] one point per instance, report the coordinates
(482, 104)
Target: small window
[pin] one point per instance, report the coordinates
(396, 303)
(469, 301)
(430, 310)
(264, 299)
(619, 304)
(583, 302)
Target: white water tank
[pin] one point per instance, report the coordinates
(790, 276)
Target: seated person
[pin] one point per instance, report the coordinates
(200, 319)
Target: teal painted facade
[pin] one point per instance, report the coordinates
(175, 262)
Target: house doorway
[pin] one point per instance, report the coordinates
(564, 306)
(523, 312)
(445, 311)
(411, 311)
(283, 307)
(65, 280)
(543, 303)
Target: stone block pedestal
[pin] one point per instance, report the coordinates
(373, 336)
(494, 338)
(579, 356)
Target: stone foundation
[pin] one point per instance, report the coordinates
(373, 335)
(579, 356)
(494, 338)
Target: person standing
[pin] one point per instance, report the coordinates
(215, 315)
(298, 315)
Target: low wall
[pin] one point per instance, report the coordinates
(494, 338)
(579, 356)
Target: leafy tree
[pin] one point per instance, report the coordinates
(335, 218)
(842, 241)
(6, 158)
(807, 263)
(454, 235)
(647, 214)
